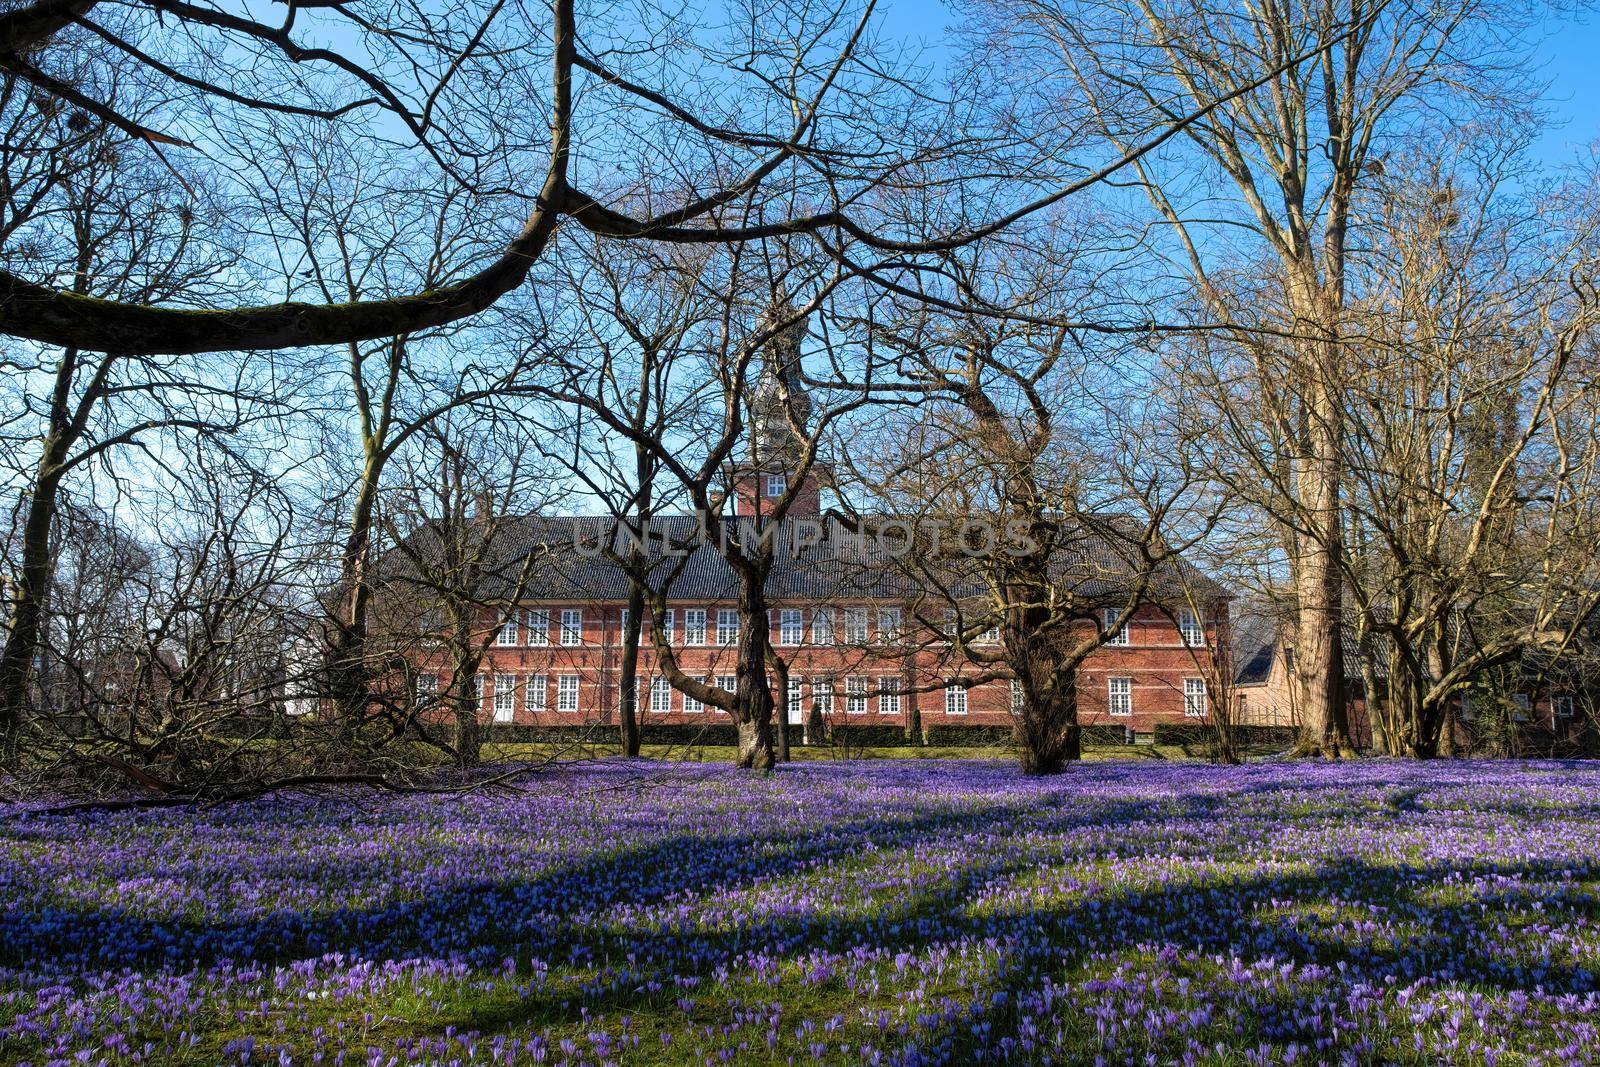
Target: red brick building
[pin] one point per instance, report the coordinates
(863, 645)
(865, 641)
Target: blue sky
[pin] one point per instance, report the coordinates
(1566, 54)
(1569, 56)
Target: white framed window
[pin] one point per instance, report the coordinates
(660, 695)
(1564, 706)
(691, 706)
(822, 626)
(476, 696)
(791, 626)
(855, 626)
(505, 697)
(425, 690)
(991, 635)
(536, 693)
(727, 626)
(796, 700)
(508, 631)
(728, 683)
(1189, 628)
(822, 695)
(955, 699)
(1108, 619)
(775, 484)
(572, 626)
(1521, 707)
(1194, 697)
(538, 626)
(567, 693)
(1119, 692)
(668, 623)
(889, 695)
(1016, 696)
(889, 624)
(694, 626)
(855, 695)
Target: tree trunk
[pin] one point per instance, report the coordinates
(1047, 732)
(753, 708)
(27, 613)
(628, 682)
(913, 710)
(468, 715)
(755, 745)
(469, 737)
(348, 671)
(780, 680)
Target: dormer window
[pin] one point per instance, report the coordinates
(776, 484)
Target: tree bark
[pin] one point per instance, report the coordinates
(1047, 732)
(753, 708)
(628, 682)
(780, 680)
(1319, 645)
(27, 611)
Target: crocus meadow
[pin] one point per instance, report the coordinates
(842, 913)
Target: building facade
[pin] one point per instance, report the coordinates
(862, 644)
(863, 637)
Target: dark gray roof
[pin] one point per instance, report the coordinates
(1257, 629)
(561, 561)
(1255, 641)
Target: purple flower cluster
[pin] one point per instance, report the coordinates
(896, 913)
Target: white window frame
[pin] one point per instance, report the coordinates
(538, 626)
(1196, 701)
(694, 626)
(774, 485)
(889, 695)
(660, 695)
(1016, 696)
(1119, 697)
(536, 693)
(507, 634)
(795, 700)
(822, 695)
(1190, 631)
(622, 625)
(505, 697)
(1521, 707)
(1121, 638)
(478, 682)
(691, 706)
(822, 626)
(571, 627)
(855, 694)
(1564, 705)
(727, 626)
(668, 623)
(791, 626)
(955, 698)
(569, 691)
(728, 683)
(855, 626)
(890, 620)
(991, 636)
(425, 688)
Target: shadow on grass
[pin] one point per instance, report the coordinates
(481, 922)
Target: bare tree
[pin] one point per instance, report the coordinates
(123, 230)
(1072, 507)
(1472, 433)
(1294, 157)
